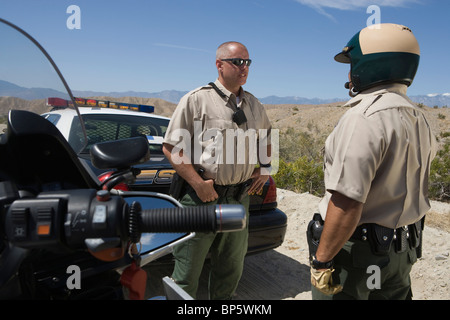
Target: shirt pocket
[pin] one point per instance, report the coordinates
(212, 141)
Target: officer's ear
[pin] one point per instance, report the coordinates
(219, 64)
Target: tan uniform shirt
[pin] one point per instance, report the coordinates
(379, 154)
(202, 124)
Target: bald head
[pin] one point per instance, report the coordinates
(226, 49)
(230, 75)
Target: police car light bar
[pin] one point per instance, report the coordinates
(82, 102)
(57, 102)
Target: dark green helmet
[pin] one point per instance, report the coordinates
(381, 53)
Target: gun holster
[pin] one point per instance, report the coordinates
(177, 186)
(313, 233)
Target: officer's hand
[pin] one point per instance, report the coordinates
(258, 181)
(323, 281)
(206, 192)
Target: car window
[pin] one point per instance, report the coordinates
(108, 127)
(53, 118)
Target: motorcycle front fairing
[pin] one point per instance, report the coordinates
(37, 162)
(38, 157)
(54, 214)
(34, 156)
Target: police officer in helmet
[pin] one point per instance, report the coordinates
(376, 166)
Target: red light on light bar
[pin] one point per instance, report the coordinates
(91, 102)
(56, 102)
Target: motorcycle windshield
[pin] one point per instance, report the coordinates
(30, 80)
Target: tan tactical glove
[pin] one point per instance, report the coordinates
(322, 280)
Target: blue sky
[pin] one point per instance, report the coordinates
(155, 45)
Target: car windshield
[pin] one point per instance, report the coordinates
(109, 127)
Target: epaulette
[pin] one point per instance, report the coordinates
(250, 94)
(199, 89)
(394, 100)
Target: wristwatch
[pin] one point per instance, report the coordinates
(316, 264)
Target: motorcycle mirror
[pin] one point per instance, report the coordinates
(120, 153)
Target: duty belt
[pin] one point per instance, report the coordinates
(381, 238)
(237, 191)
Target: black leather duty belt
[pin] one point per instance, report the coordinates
(237, 191)
(381, 238)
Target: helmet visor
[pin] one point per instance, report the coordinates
(343, 57)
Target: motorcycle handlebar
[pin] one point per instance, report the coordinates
(214, 218)
(85, 217)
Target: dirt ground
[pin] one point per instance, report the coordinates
(284, 274)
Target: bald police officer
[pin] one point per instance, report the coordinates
(202, 142)
(377, 162)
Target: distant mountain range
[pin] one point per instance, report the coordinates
(8, 89)
(432, 100)
(174, 96)
(169, 95)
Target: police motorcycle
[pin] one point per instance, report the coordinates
(63, 234)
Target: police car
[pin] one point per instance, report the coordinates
(107, 121)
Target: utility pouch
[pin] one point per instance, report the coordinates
(380, 239)
(401, 241)
(177, 186)
(415, 233)
(313, 233)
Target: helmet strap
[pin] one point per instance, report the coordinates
(352, 93)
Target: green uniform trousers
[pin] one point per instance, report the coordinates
(367, 276)
(227, 250)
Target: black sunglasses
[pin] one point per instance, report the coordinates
(239, 62)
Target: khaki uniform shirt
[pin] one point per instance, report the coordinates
(380, 154)
(202, 126)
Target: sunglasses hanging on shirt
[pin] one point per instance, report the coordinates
(239, 115)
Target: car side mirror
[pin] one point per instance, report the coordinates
(120, 154)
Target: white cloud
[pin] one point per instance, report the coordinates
(432, 95)
(320, 5)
